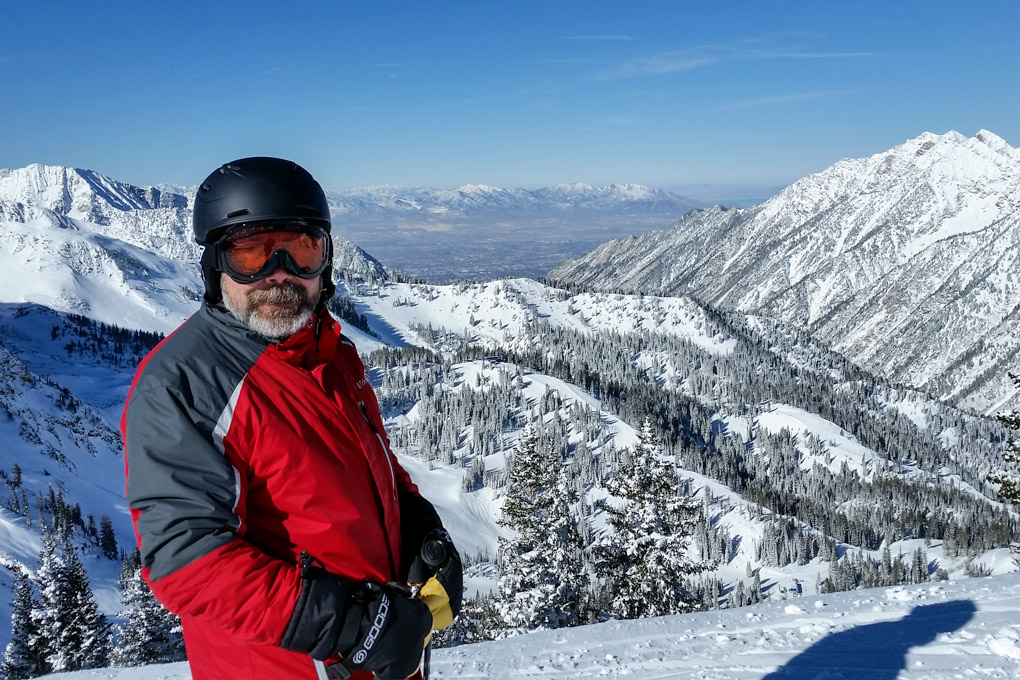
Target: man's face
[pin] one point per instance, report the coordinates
(276, 306)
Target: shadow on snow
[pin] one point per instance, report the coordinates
(877, 651)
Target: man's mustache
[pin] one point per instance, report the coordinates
(285, 292)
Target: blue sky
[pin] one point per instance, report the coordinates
(513, 94)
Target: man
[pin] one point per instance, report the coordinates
(271, 515)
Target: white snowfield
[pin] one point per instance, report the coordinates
(935, 631)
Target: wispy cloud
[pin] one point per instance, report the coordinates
(272, 73)
(620, 120)
(661, 64)
(702, 56)
(780, 99)
(610, 37)
(6, 59)
(606, 122)
(786, 54)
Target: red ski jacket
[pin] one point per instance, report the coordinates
(241, 454)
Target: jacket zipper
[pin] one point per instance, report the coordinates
(382, 444)
(393, 480)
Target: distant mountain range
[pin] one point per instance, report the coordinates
(87, 195)
(906, 262)
(471, 232)
(477, 199)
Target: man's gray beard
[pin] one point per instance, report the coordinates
(276, 324)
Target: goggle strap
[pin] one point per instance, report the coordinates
(210, 257)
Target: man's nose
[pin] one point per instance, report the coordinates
(278, 275)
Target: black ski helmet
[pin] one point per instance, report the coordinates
(258, 190)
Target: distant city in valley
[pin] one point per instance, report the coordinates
(483, 248)
(491, 241)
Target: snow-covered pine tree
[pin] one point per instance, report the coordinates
(88, 632)
(150, 633)
(69, 625)
(477, 621)
(45, 615)
(756, 594)
(643, 563)
(529, 593)
(24, 656)
(107, 539)
(919, 566)
(566, 549)
(1008, 478)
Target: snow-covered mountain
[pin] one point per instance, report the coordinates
(79, 242)
(906, 262)
(83, 194)
(479, 198)
(76, 241)
(71, 198)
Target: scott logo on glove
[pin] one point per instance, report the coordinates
(373, 633)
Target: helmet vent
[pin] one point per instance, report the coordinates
(238, 213)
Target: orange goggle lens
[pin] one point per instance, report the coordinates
(248, 254)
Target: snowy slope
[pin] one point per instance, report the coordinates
(93, 275)
(905, 262)
(496, 313)
(63, 440)
(937, 631)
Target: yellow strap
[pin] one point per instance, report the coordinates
(433, 594)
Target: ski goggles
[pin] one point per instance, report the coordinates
(251, 253)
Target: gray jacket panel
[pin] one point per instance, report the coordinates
(181, 489)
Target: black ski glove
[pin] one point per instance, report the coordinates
(377, 628)
(438, 570)
(384, 631)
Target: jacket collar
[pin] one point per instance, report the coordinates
(317, 338)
